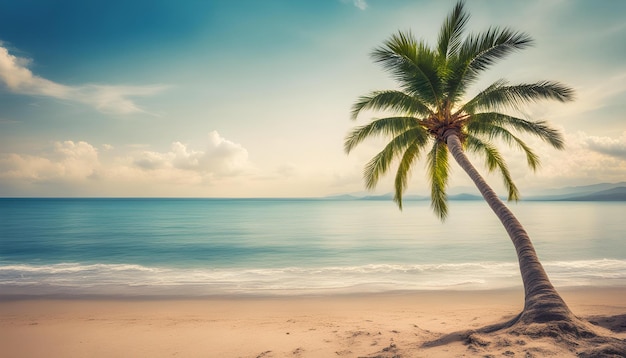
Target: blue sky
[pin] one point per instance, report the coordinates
(252, 98)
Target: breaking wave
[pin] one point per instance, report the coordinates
(132, 279)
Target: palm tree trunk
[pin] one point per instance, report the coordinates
(542, 301)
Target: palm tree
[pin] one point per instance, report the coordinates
(432, 119)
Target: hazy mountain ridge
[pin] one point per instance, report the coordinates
(615, 194)
(594, 192)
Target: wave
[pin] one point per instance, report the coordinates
(132, 279)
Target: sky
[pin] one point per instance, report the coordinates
(248, 98)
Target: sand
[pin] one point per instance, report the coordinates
(413, 324)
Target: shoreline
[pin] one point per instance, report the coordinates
(155, 295)
(345, 325)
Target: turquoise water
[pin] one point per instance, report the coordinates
(263, 246)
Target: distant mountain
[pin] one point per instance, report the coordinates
(569, 191)
(341, 197)
(465, 196)
(595, 192)
(615, 194)
(389, 196)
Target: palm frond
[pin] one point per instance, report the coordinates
(379, 164)
(413, 64)
(384, 126)
(396, 101)
(453, 76)
(438, 171)
(495, 131)
(411, 154)
(540, 129)
(480, 51)
(494, 161)
(451, 31)
(499, 95)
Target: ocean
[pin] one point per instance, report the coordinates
(204, 247)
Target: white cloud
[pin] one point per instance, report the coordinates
(26, 167)
(16, 76)
(585, 160)
(615, 147)
(150, 160)
(79, 160)
(361, 4)
(113, 99)
(20, 79)
(220, 158)
(80, 163)
(69, 161)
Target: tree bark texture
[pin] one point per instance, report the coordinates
(542, 301)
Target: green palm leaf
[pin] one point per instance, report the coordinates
(413, 64)
(494, 161)
(438, 170)
(379, 164)
(495, 131)
(479, 52)
(384, 126)
(451, 31)
(396, 101)
(484, 49)
(540, 128)
(499, 95)
(411, 154)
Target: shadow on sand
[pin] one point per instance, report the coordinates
(532, 340)
(535, 340)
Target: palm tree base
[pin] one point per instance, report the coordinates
(570, 334)
(572, 337)
(548, 319)
(546, 327)
(544, 307)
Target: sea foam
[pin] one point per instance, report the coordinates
(132, 279)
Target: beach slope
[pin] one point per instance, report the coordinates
(415, 324)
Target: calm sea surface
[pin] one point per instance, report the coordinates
(261, 246)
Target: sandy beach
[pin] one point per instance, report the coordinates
(415, 324)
